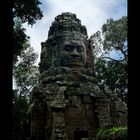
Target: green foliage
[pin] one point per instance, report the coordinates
(20, 106)
(111, 72)
(114, 76)
(20, 39)
(27, 10)
(114, 133)
(23, 11)
(115, 34)
(25, 72)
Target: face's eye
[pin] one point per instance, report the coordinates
(80, 48)
(68, 48)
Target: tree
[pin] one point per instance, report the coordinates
(115, 37)
(23, 11)
(111, 71)
(25, 74)
(20, 40)
(27, 10)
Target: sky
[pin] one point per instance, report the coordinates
(92, 13)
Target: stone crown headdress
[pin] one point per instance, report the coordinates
(67, 23)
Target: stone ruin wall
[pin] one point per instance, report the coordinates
(68, 100)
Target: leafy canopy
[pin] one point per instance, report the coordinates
(25, 73)
(111, 70)
(23, 11)
(27, 10)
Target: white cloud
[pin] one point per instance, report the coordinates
(92, 13)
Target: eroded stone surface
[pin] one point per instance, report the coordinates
(68, 100)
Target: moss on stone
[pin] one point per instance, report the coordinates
(114, 133)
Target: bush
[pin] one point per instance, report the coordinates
(114, 133)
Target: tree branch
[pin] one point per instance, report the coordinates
(113, 59)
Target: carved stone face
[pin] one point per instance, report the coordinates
(73, 54)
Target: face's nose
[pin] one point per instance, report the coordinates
(75, 52)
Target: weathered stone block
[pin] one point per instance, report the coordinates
(68, 102)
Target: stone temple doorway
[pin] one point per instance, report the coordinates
(80, 134)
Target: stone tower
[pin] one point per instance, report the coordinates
(67, 104)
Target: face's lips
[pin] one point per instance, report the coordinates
(74, 62)
(74, 59)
